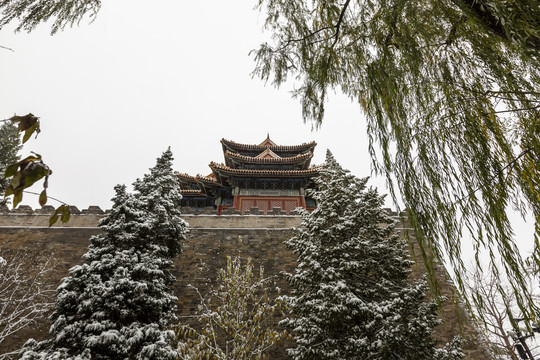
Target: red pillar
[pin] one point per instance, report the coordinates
(236, 202)
(303, 201)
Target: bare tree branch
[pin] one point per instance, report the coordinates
(25, 294)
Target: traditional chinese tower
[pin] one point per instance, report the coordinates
(263, 176)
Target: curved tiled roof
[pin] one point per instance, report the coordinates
(191, 192)
(208, 180)
(283, 160)
(301, 147)
(198, 179)
(267, 153)
(220, 168)
(186, 176)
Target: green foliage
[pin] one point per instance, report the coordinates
(235, 318)
(20, 175)
(24, 174)
(516, 22)
(27, 123)
(30, 13)
(62, 212)
(450, 90)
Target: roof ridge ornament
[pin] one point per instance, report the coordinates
(268, 154)
(268, 142)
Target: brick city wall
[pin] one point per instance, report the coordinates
(210, 240)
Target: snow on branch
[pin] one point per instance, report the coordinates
(25, 293)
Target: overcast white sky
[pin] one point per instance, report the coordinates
(112, 95)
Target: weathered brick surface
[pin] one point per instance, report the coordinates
(210, 240)
(64, 245)
(90, 219)
(42, 220)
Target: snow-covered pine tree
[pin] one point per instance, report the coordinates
(10, 144)
(350, 296)
(159, 194)
(119, 304)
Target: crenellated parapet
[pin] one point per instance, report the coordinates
(186, 210)
(96, 210)
(49, 209)
(24, 216)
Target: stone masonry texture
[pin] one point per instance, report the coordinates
(211, 239)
